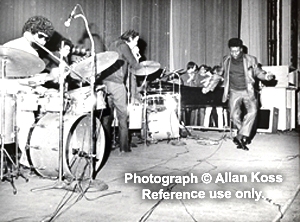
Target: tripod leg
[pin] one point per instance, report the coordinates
(9, 177)
(11, 180)
(20, 174)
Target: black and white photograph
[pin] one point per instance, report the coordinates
(149, 110)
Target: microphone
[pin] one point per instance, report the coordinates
(71, 16)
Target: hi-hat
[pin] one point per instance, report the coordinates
(104, 60)
(148, 67)
(19, 64)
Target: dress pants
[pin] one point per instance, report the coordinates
(243, 111)
(117, 99)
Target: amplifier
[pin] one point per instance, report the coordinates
(267, 120)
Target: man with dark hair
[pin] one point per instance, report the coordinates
(114, 78)
(190, 77)
(37, 29)
(62, 49)
(240, 72)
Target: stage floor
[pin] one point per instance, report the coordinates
(255, 185)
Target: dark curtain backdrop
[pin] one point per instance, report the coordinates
(253, 28)
(200, 30)
(172, 32)
(103, 17)
(151, 19)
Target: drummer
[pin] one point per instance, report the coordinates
(114, 79)
(37, 29)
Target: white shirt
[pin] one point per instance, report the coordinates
(23, 44)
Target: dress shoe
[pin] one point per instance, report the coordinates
(246, 140)
(240, 144)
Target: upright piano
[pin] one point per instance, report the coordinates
(192, 98)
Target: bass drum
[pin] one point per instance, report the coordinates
(163, 125)
(43, 147)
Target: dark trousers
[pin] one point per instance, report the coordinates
(117, 99)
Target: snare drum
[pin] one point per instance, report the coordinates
(81, 100)
(43, 143)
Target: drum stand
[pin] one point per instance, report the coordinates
(60, 184)
(144, 116)
(15, 171)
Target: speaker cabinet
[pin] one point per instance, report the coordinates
(267, 120)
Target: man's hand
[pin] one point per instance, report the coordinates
(191, 78)
(270, 76)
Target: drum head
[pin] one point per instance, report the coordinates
(43, 152)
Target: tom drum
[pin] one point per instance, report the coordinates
(82, 101)
(156, 102)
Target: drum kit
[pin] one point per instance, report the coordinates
(161, 108)
(58, 143)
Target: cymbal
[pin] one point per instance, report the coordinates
(19, 64)
(104, 60)
(148, 67)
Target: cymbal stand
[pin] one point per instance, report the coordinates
(60, 183)
(144, 122)
(179, 95)
(10, 176)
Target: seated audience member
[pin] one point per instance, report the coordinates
(214, 115)
(190, 77)
(63, 49)
(204, 75)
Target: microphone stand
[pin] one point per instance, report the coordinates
(60, 184)
(93, 130)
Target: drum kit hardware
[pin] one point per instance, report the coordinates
(64, 126)
(19, 64)
(103, 61)
(160, 120)
(84, 134)
(148, 67)
(14, 64)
